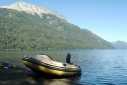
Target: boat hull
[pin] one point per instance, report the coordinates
(40, 69)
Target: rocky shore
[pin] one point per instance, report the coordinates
(23, 76)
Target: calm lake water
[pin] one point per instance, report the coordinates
(100, 67)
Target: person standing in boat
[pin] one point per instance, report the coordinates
(68, 58)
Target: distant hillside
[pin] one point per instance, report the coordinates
(119, 44)
(21, 30)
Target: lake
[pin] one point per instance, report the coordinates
(101, 67)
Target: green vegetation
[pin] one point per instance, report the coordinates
(20, 30)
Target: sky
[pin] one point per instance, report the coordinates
(105, 18)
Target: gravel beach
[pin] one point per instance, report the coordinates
(21, 76)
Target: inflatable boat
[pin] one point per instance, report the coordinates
(43, 64)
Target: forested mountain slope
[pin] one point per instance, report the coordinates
(21, 30)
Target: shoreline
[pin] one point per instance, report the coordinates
(22, 76)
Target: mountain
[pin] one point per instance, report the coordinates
(119, 44)
(37, 29)
(30, 8)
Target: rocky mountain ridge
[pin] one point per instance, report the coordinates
(30, 8)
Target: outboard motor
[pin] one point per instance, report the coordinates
(68, 58)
